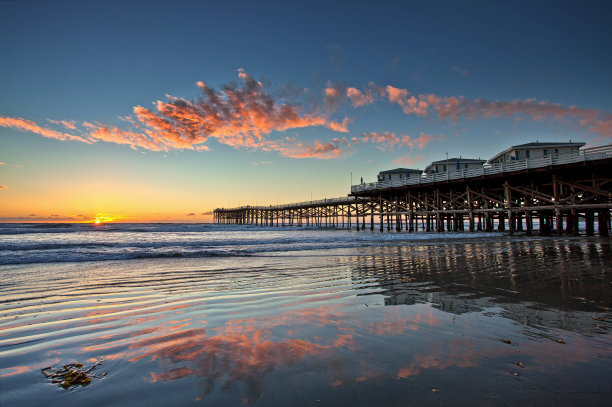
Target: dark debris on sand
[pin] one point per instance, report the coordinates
(72, 374)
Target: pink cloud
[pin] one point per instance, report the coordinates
(421, 141)
(454, 108)
(396, 95)
(359, 98)
(603, 126)
(335, 95)
(409, 105)
(387, 141)
(410, 160)
(296, 149)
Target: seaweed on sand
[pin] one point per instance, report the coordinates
(72, 374)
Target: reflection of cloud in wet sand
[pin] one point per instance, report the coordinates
(243, 351)
(235, 358)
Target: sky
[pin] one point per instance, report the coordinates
(165, 110)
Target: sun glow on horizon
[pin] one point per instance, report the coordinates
(102, 218)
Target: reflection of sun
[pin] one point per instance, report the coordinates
(102, 218)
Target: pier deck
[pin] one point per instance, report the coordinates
(556, 191)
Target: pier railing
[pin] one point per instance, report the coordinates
(589, 154)
(320, 202)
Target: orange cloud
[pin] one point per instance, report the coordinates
(238, 116)
(340, 127)
(20, 124)
(3, 187)
(112, 134)
(69, 124)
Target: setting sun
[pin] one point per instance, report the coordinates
(102, 218)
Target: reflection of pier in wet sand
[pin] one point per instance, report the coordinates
(555, 193)
(536, 283)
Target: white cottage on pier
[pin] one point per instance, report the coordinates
(535, 150)
(398, 174)
(454, 164)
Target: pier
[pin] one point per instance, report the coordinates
(550, 195)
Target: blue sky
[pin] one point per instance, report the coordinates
(546, 64)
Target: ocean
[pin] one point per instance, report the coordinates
(229, 315)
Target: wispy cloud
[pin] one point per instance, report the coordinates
(451, 107)
(3, 187)
(69, 124)
(51, 218)
(321, 150)
(11, 165)
(21, 124)
(459, 69)
(387, 141)
(410, 160)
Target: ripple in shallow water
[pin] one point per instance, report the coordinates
(375, 325)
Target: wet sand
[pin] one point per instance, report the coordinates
(421, 324)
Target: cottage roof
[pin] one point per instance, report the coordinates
(537, 144)
(454, 161)
(461, 161)
(400, 171)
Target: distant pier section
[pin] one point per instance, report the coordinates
(544, 187)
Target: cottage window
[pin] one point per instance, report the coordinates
(545, 151)
(527, 154)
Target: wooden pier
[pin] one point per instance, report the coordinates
(551, 194)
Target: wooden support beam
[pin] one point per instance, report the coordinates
(482, 195)
(593, 190)
(602, 222)
(558, 217)
(380, 211)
